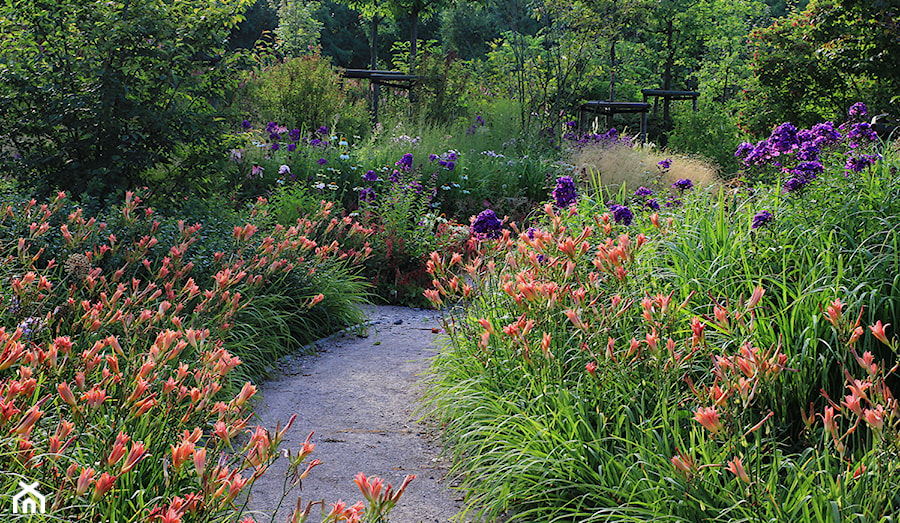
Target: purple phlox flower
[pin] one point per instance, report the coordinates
(683, 184)
(808, 170)
(621, 214)
(416, 186)
(565, 192)
(367, 195)
(322, 161)
(611, 134)
(665, 164)
(370, 176)
(275, 146)
(270, 127)
(395, 176)
(256, 170)
(472, 129)
(246, 124)
(450, 166)
(743, 150)
(761, 218)
(826, 134)
(284, 169)
(479, 120)
(653, 204)
(784, 137)
(860, 163)
(322, 130)
(571, 124)
(861, 133)
(858, 111)
(760, 155)
(432, 157)
(673, 203)
(486, 225)
(805, 135)
(809, 151)
(452, 155)
(405, 162)
(643, 191)
(530, 233)
(294, 134)
(291, 147)
(795, 184)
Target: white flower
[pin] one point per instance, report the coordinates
(284, 169)
(343, 143)
(344, 156)
(319, 185)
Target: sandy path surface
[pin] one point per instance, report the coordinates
(359, 396)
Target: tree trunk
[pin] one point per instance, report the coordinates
(376, 89)
(413, 39)
(667, 81)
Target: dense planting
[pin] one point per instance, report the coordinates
(723, 357)
(125, 344)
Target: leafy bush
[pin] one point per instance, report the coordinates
(304, 92)
(93, 95)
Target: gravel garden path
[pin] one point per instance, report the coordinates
(359, 395)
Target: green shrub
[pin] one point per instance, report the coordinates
(305, 92)
(710, 132)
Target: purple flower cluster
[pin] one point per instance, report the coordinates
(607, 139)
(683, 184)
(367, 195)
(405, 162)
(565, 192)
(761, 218)
(370, 176)
(784, 138)
(643, 191)
(664, 165)
(858, 111)
(486, 225)
(860, 163)
(621, 214)
(861, 134)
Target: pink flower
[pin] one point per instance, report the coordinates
(709, 418)
(737, 468)
(878, 331)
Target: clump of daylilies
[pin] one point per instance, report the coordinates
(116, 388)
(569, 305)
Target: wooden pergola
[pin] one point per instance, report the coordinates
(612, 108)
(396, 79)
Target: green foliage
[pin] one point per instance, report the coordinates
(811, 66)
(577, 376)
(298, 31)
(305, 93)
(92, 95)
(710, 132)
(343, 38)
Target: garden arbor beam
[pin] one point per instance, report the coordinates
(611, 108)
(395, 79)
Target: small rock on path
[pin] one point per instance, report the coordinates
(359, 395)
